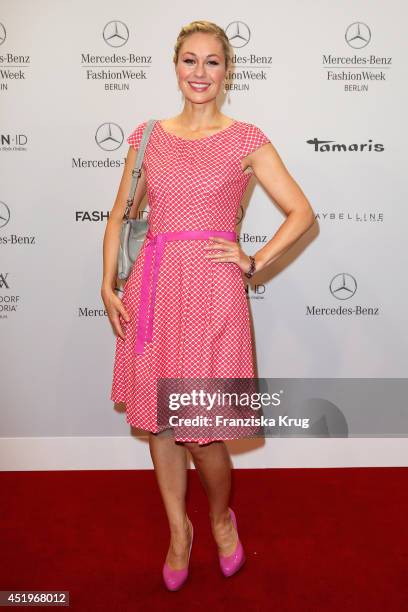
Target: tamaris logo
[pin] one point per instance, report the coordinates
(323, 146)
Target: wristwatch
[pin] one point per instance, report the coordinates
(251, 270)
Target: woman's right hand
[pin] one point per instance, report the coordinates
(114, 308)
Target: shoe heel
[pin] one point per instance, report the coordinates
(230, 564)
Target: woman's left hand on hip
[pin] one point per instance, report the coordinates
(231, 252)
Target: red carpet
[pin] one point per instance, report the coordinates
(316, 539)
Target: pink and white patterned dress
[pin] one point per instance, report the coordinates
(201, 325)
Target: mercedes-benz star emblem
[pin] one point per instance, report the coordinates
(109, 136)
(116, 33)
(238, 34)
(4, 214)
(2, 33)
(358, 35)
(343, 286)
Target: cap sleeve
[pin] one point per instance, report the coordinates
(253, 139)
(136, 136)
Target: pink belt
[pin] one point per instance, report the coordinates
(159, 241)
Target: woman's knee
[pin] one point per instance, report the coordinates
(199, 450)
(166, 433)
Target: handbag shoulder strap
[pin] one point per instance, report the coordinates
(137, 170)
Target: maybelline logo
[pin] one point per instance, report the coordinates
(239, 36)
(357, 36)
(115, 70)
(8, 302)
(12, 239)
(11, 65)
(343, 286)
(323, 146)
(359, 217)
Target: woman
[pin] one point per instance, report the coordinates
(196, 168)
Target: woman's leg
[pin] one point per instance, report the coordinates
(213, 464)
(170, 464)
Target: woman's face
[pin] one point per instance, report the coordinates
(200, 67)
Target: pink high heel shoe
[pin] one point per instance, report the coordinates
(175, 578)
(232, 563)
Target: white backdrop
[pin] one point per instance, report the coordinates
(325, 81)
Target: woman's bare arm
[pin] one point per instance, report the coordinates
(273, 175)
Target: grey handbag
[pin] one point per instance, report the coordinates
(133, 231)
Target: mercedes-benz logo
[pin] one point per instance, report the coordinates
(116, 33)
(238, 34)
(2, 33)
(343, 286)
(358, 35)
(109, 136)
(4, 214)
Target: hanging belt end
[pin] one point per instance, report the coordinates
(139, 347)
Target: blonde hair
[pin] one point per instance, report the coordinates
(207, 27)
